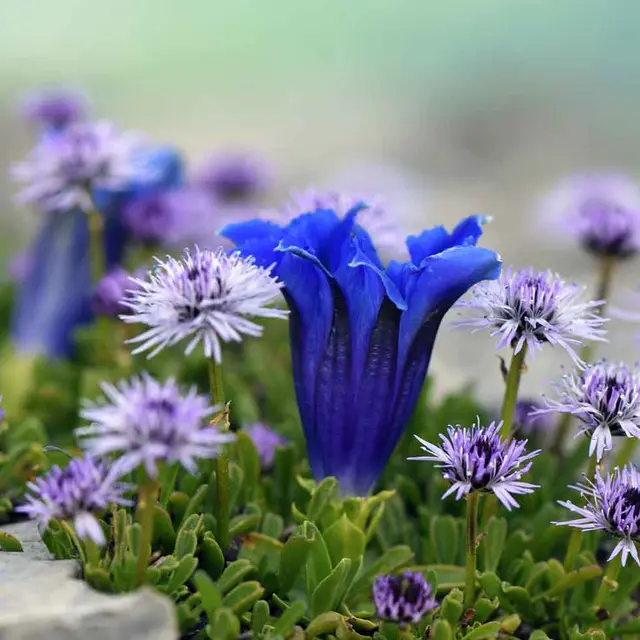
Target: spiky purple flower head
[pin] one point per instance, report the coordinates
(605, 397)
(65, 167)
(76, 493)
(611, 504)
(205, 296)
(531, 308)
(233, 177)
(147, 422)
(404, 599)
(476, 459)
(266, 441)
(110, 292)
(55, 108)
(601, 211)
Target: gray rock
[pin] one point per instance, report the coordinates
(27, 533)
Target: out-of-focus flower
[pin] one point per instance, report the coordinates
(76, 493)
(147, 422)
(205, 296)
(266, 441)
(110, 292)
(20, 265)
(532, 308)
(1, 411)
(527, 421)
(361, 335)
(403, 599)
(601, 211)
(605, 398)
(55, 108)
(64, 169)
(233, 177)
(611, 504)
(476, 459)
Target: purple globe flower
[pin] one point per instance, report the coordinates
(605, 397)
(601, 211)
(476, 459)
(76, 493)
(403, 599)
(147, 423)
(55, 108)
(67, 166)
(109, 294)
(205, 296)
(532, 308)
(527, 421)
(233, 177)
(266, 441)
(611, 504)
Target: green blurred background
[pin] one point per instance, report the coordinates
(478, 105)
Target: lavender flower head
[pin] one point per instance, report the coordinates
(528, 421)
(266, 441)
(601, 211)
(55, 108)
(110, 292)
(476, 459)
(233, 177)
(387, 235)
(147, 422)
(65, 167)
(205, 296)
(403, 599)
(611, 504)
(605, 397)
(76, 493)
(532, 308)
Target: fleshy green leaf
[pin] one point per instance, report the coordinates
(321, 497)
(327, 593)
(344, 540)
(211, 557)
(445, 539)
(243, 597)
(451, 607)
(210, 595)
(441, 630)
(250, 465)
(571, 580)
(234, 574)
(9, 542)
(288, 619)
(185, 570)
(393, 559)
(318, 565)
(225, 625)
(488, 630)
(292, 559)
(493, 543)
(260, 616)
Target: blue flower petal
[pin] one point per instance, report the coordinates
(258, 238)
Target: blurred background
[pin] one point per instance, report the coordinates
(449, 108)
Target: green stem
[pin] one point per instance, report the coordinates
(96, 245)
(74, 538)
(609, 581)
(146, 502)
(222, 462)
(512, 385)
(472, 534)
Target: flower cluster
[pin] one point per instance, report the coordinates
(530, 308)
(404, 599)
(266, 441)
(476, 459)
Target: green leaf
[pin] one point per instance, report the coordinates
(318, 565)
(9, 542)
(186, 544)
(344, 540)
(519, 597)
(249, 461)
(493, 543)
(485, 608)
(488, 630)
(210, 595)
(323, 623)
(571, 580)
(211, 557)
(225, 625)
(243, 597)
(185, 570)
(492, 585)
(321, 497)
(163, 531)
(193, 507)
(99, 579)
(447, 576)
(538, 635)
(288, 619)
(292, 559)
(273, 525)
(441, 630)
(509, 624)
(445, 534)
(327, 594)
(178, 504)
(243, 524)
(628, 628)
(391, 560)
(234, 574)
(260, 616)
(451, 607)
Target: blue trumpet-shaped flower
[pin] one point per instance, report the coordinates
(361, 334)
(55, 297)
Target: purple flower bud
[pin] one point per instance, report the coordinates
(403, 599)
(109, 294)
(266, 441)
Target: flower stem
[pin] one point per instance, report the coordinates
(74, 538)
(96, 245)
(222, 462)
(146, 502)
(472, 534)
(609, 581)
(511, 391)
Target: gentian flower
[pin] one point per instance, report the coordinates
(361, 335)
(476, 459)
(601, 211)
(147, 423)
(532, 308)
(205, 296)
(266, 441)
(611, 504)
(403, 599)
(605, 398)
(55, 297)
(65, 168)
(76, 493)
(233, 177)
(55, 108)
